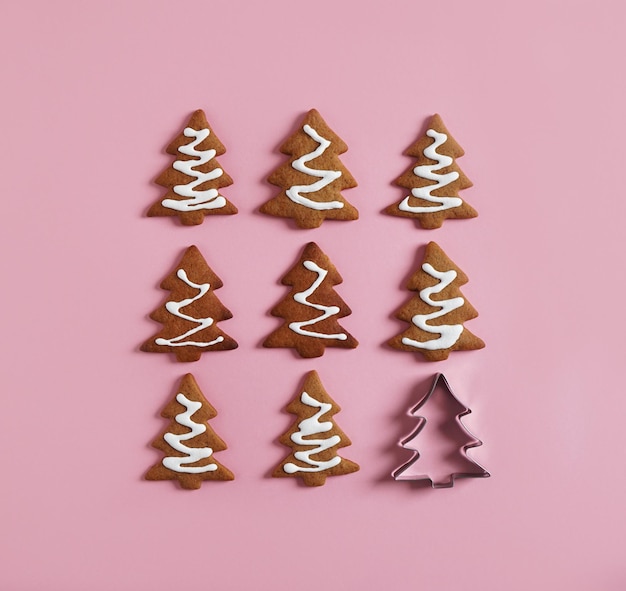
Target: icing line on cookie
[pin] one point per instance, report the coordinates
(194, 454)
(175, 309)
(327, 311)
(207, 199)
(449, 333)
(313, 426)
(326, 176)
(427, 171)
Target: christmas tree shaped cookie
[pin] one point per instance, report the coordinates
(436, 315)
(434, 181)
(314, 438)
(188, 443)
(190, 314)
(312, 181)
(312, 307)
(446, 458)
(195, 177)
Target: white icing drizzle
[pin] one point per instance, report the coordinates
(208, 199)
(427, 171)
(326, 176)
(175, 309)
(194, 454)
(312, 426)
(449, 333)
(327, 311)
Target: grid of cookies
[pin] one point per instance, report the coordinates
(311, 185)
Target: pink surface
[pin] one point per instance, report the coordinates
(92, 94)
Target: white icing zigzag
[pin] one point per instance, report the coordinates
(194, 454)
(449, 333)
(313, 426)
(175, 309)
(326, 176)
(208, 199)
(427, 171)
(327, 311)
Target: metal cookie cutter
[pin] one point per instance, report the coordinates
(405, 472)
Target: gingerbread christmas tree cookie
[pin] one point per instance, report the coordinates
(190, 314)
(436, 315)
(434, 181)
(312, 308)
(188, 443)
(314, 438)
(312, 181)
(195, 177)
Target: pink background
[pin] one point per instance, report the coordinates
(93, 92)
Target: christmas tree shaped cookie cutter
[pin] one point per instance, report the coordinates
(408, 470)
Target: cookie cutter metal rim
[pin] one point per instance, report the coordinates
(463, 450)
